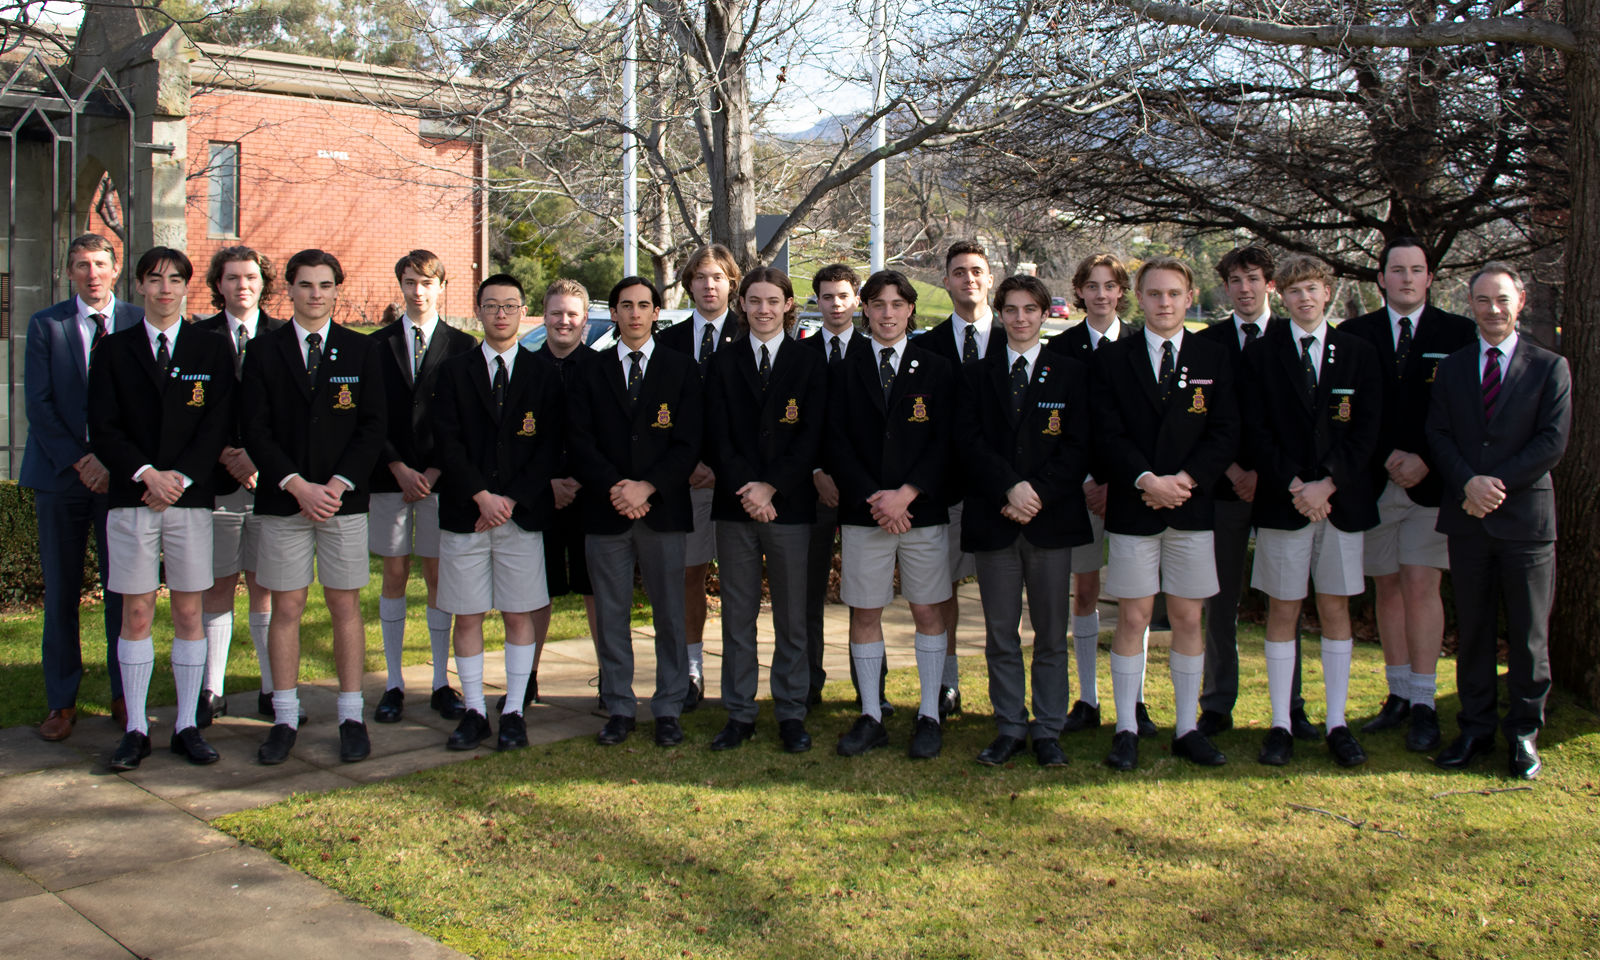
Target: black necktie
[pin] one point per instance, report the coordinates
(834, 353)
(1103, 341)
(1164, 379)
(1491, 381)
(1019, 385)
(163, 357)
(500, 384)
(99, 329)
(241, 339)
(418, 348)
(1307, 367)
(886, 370)
(969, 350)
(707, 338)
(313, 356)
(765, 368)
(1251, 331)
(1402, 346)
(635, 373)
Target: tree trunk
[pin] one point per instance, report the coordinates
(1575, 621)
(732, 164)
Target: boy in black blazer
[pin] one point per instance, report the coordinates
(158, 415)
(314, 424)
(1405, 556)
(1167, 428)
(636, 428)
(1311, 410)
(1022, 434)
(891, 417)
(403, 518)
(765, 404)
(499, 418)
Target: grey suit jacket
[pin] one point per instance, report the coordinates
(1520, 444)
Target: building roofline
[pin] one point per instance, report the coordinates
(266, 71)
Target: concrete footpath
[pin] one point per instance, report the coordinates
(95, 864)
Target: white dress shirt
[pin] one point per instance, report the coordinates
(623, 350)
(1031, 356)
(699, 331)
(1506, 348)
(1394, 322)
(1260, 322)
(981, 328)
(1321, 340)
(1114, 331)
(1152, 345)
(86, 325)
(756, 343)
(899, 347)
(510, 357)
(829, 336)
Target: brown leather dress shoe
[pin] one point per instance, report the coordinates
(119, 713)
(57, 724)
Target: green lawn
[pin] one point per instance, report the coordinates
(22, 688)
(573, 850)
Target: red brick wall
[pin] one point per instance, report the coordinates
(353, 180)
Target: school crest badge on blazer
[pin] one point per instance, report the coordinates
(791, 412)
(1343, 413)
(198, 397)
(919, 410)
(663, 418)
(529, 425)
(1052, 427)
(344, 399)
(1198, 404)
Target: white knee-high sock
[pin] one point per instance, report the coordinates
(219, 640)
(519, 668)
(351, 706)
(1399, 677)
(1423, 688)
(286, 707)
(1127, 674)
(260, 623)
(188, 669)
(930, 671)
(1336, 677)
(439, 641)
(392, 622)
(697, 660)
(137, 659)
(1187, 672)
(469, 670)
(1280, 679)
(868, 659)
(1086, 647)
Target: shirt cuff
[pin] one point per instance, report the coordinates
(344, 480)
(140, 472)
(1147, 473)
(284, 483)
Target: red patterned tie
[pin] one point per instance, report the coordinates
(1491, 381)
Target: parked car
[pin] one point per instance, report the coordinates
(1060, 308)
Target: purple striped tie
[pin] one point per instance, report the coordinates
(1491, 381)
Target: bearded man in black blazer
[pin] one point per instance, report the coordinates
(239, 279)
(314, 424)
(636, 438)
(1405, 555)
(1022, 434)
(1167, 427)
(1498, 423)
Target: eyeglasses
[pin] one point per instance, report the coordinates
(499, 309)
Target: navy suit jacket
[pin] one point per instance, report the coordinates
(56, 394)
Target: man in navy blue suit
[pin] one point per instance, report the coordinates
(68, 481)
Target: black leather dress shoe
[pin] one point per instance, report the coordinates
(1147, 727)
(1277, 749)
(696, 694)
(733, 735)
(927, 739)
(1124, 753)
(1463, 750)
(209, 708)
(1001, 750)
(447, 703)
(1394, 711)
(1195, 747)
(1213, 722)
(792, 734)
(1082, 716)
(391, 706)
(1047, 750)
(949, 701)
(354, 746)
(471, 731)
(135, 746)
(513, 732)
(280, 740)
(1301, 727)
(188, 743)
(865, 734)
(1344, 748)
(669, 733)
(615, 731)
(1423, 734)
(1525, 762)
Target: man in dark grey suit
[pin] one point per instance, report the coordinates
(69, 482)
(1498, 424)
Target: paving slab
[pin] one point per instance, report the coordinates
(42, 926)
(208, 805)
(21, 751)
(170, 776)
(345, 929)
(14, 885)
